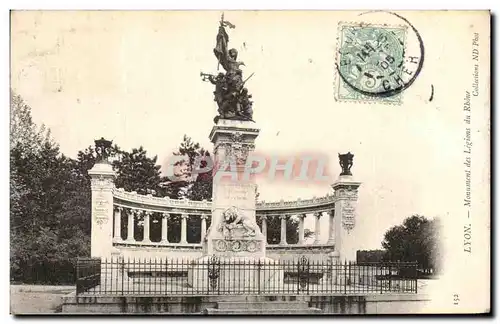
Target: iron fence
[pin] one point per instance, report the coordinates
(43, 272)
(88, 274)
(222, 276)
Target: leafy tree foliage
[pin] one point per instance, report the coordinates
(186, 183)
(45, 198)
(370, 256)
(415, 240)
(137, 172)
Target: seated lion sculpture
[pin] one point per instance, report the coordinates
(232, 218)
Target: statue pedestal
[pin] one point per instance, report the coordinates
(346, 193)
(234, 247)
(102, 179)
(239, 275)
(233, 231)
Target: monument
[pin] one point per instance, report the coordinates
(234, 243)
(346, 193)
(102, 182)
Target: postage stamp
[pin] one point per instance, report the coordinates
(370, 61)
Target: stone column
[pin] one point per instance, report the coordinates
(317, 227)
(164, 227)
(203, 227)
(234, 189)
(301, 228)
(146, 237)
(283, 230)
(331, 227)
(118, 223)
(102, 183)
(346, 198)
(130, 226)
(184, 218)
(264, 227)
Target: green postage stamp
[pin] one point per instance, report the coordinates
(370, 63)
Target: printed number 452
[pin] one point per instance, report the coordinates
(455, 299)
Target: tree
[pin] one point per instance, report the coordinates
(201, 188)
(186, 183)
(370, 256)
(137, 172)
(47, 224)
(431, 244)
(415, 240)
(40, 229)
(25, 135)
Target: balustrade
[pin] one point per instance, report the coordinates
(132, 215)
(191, 210)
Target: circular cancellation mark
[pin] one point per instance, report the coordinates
(379, 60)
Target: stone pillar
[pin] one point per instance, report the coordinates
(334, 273)
(317, 227)
(164, 227)
(346, 199)
(130, 225)
(146, 238)
(102, 183)
(203, 227)
(234, 192)
(283, 230)
(264, 227)
(301, 228)
(184, 218)
(331, 227)
(118, 223)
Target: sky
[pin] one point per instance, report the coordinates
(133, 77)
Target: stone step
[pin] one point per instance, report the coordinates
(261, 305)
(251, 311)
(256, 298)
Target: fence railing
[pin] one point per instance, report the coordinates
(88, 274)
(218, 276)
(43, 272)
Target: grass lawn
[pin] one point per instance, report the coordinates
(37, 299)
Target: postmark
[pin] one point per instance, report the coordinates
(371, 60)
(377, 62)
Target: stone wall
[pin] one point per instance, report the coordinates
(367, 304)
(288, 253)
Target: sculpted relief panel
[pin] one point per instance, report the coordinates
(101, 209)
(236, 223)
(101, 183)
(237, 245)
(348, 215)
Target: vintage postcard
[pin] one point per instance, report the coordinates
(250, 162)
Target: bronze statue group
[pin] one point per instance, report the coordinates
(232, 97)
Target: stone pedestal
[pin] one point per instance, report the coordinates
(346, 194)
(102, 179)
(236, 275)
(234, 193)
(239, 245)
(234, 239)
